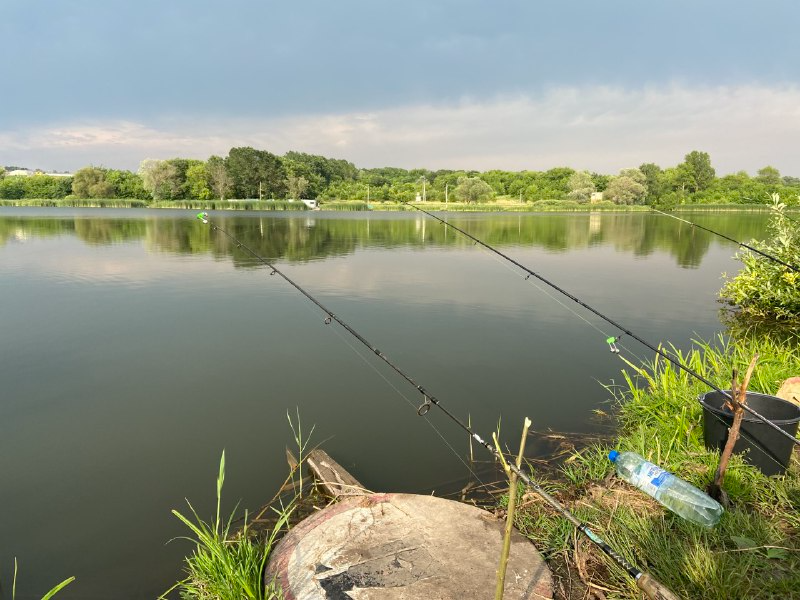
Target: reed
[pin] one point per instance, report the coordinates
(344, 206)
(78, 202)
(263, 205)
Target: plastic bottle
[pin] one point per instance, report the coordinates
(677, 495)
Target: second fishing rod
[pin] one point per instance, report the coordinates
(766, 255)
(658, 350)
(644, 581)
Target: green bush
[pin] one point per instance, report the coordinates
(765, 289)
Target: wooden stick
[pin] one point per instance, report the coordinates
(512, 502)
(740, 395)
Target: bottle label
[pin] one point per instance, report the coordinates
(649, 477)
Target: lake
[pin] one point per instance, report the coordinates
(138, 344)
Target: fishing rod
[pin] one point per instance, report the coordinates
(730, 239)
(644, 581)
(612, 340)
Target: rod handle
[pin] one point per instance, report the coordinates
(654, 589)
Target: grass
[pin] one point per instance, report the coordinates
(754, 552)
(227, 564)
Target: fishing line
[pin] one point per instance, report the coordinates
(645, 581)
(355, 350)
(614, 343)
(794, 268)
(609, 320)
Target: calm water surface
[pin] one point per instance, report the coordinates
(137, 345)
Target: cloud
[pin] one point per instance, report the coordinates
(599, 128)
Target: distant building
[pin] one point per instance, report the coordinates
(596, 197)
(28, 173)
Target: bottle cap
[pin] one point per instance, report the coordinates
(612, 456)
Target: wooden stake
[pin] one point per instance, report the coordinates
(512, 502)
(740, 395)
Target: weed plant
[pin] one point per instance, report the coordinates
(765, 290)
(754, 552)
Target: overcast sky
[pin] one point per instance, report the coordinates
(506, 84)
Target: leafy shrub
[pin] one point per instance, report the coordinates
(764, 288)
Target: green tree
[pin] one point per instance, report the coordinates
(90, 182)
(2, 172)
(12, 188)
(790, 181)
(127, 184)
(699, 170)
(40, 185)
(296, 186)
(628, 188)
(256, 173)
(159, 178)
(655, 182)
(581, 186)
(769, 176)
(197, 181)
(474, 189)
(600, 181)
(219, 179)
(178, 184)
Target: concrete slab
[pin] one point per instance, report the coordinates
(404, 547)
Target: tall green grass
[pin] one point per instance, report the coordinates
(78, 202)
(754, 552)
(266, 205)
(352, 206)
(227, 564)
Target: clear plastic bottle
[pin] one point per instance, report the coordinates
(677, 495)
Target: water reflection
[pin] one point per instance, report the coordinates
(304, 238)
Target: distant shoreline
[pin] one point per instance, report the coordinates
(545, 206)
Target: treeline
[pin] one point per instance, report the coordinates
(248, 173)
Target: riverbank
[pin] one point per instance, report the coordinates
(540, 206)
(754, 552)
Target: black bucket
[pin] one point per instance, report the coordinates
(763, 447)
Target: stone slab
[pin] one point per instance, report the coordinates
(404, 547)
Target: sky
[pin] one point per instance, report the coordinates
(452, 84)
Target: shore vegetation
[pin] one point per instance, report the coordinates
(766, 290)
(255, 175)
(754, 551)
